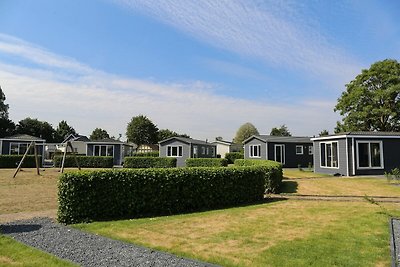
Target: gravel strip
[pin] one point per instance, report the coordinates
(395, 241)
(88, 249)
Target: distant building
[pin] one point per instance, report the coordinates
(224, 147)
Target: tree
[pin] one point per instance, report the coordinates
(324, 133)
(166, 133)
(3, 106)
(219, 138)
(63, 130)
(36, 128)
(244, 132)
(281, 131)
(7, 127)
(371, 101)
(141, 130)
(99, 134)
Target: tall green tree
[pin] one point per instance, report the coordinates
(99, 134)
(7, 127)
(244, 132)
(167, 133)
(3, 106)
(36, 128)
(371, 102)
(63, 130)
(280, 131)
(141, 130)
(324, 133)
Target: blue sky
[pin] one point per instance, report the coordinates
(196, 67)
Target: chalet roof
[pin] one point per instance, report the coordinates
(360, 134)
(23, 137)
(76, 137)
(280, 139)
(187, 141)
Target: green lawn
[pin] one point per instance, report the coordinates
(295, 173)
(283, 233)
(13, 253)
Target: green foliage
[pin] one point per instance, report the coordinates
(244, 132)
(166, 133)
(85, 161)
(142, 130)
(206, 162)
(7, 127)
(34, 127)
(3, 106)
(273, 173)
(62, 131)
(99, 134)
(324, 133)
(149, 162)
(393, 175)
(111, 194)
(12, 161)
(371, 101)
(232, 156)
(153, 154)
(280, 131)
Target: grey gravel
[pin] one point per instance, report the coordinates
(396, 240)
(88, 249)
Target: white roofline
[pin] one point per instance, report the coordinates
(354, 136)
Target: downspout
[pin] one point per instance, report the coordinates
(353, 155)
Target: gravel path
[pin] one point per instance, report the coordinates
(396, 241)
(88, 249)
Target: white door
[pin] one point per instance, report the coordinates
(280, 153)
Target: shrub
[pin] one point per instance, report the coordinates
(206, 162)
(153, 154)
(85, 161)
(232, 156)
(113, 194)
(149, 162)
(12, 161)
(273, 172)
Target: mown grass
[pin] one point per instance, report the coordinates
(295, 173)
(13, 253)
(284, 233)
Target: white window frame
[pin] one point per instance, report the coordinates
(100, 146)
(252, 150)
(213, 151)
(283, 154)
(178, 149)
(369, 155)
(302, 150)
(19, 148)
(203, 150)
(311, 150)
(326, 155)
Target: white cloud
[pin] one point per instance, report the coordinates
(91, 98)
(276, 32)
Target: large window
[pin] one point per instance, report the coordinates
(174, 151)
(255, 151)
(329, 155)
(104, 150)
(369, 155)
(299, 150)
(19, 148)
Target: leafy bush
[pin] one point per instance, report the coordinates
(111, 194)
(232, 156)
(272, 169)
(206, 162)
(149, 162)
(153, 154)
(12, 161)
(85, 161)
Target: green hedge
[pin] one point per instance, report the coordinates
(149, 162)
(273, 172)
(85, 161)
(206, 162)
(154, 154)
(232, 156)
(12, 161)
(113, 194)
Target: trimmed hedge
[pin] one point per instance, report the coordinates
(114, 194)
(12, 161)
(206, 162)
(273, 172)
(232, 156)
(149, 162)
(85, 161)
(154, 154)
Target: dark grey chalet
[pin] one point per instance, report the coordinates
(357, 153)
(19, 143)
(182, 148)
(109, 147)
(291, 151)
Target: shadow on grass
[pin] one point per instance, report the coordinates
(289, 187)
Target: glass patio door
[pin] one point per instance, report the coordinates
(280, 153)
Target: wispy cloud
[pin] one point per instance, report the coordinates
(276, 32)
(90, 98)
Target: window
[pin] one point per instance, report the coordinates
(369, 155)
(213, 151)
(255, 151)
(174, 151)
(104, 150)
(299, 150)
(203, 150)
(329, 155)
(310, 150)
(207, 150)
(195, 151)
(19, 148)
